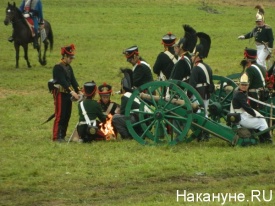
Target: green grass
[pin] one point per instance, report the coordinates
(36, 171)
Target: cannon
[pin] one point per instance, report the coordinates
(180, 116)
(220, 100)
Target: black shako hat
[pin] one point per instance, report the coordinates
(250, 53)
(168, 39)
(90, 88)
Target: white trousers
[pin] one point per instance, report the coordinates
(206, 103)
(262, 53)
(251, 122)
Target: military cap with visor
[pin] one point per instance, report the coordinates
(168, 39)
(68, 51)
(130, 52)
(105, 89)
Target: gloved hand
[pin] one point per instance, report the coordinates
(74, 94)
(241, 37)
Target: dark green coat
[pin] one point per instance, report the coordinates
(64, 75)
(255, 80)
(262, 34)
(141, 74)
(93, 110)
(182, 69)
(163, 64)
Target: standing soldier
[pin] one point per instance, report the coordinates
(66, 87)
(141, 70)
(201, 75)
(181, 70)
(165, 60)
(263, 37)
(256, 74)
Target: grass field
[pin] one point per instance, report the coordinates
(36, 171)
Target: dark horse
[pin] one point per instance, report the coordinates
(22, 34)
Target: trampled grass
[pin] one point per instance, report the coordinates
(36, 171)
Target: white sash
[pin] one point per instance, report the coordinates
(261, 74)
(88, 121)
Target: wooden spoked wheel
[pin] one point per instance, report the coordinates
(163, 117)
(220, 100)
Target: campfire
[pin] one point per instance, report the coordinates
(107, 129)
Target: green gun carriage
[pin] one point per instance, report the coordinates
(175, 118)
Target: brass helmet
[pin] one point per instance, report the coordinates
(260, 13)
(244, 79)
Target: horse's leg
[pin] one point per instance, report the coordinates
(46, 45)
(16, 47)
(43, 60)
(25, 46)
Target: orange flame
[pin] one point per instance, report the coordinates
(107, 129)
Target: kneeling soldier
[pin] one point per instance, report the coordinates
(89, 110)
(250, 118)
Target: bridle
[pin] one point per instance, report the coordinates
(10, 16)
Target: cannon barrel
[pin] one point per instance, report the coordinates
(181, 102)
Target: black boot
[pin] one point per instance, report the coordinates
(10, 39)
(265, 138)
(35, 42)
(60, 135)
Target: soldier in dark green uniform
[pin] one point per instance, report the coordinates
(201, 77)
(181, 70)
(66, 87)
(263, 36)
(119, 119)
(166, 59)
(141, 70)
(107, 105)
(250, 118)
(256, 74)
(93, 111)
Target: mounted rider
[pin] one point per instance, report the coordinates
(32, 9)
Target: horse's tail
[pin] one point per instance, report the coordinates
(50, 36)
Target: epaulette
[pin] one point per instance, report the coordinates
(267, 26)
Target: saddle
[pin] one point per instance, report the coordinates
(30, 24)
